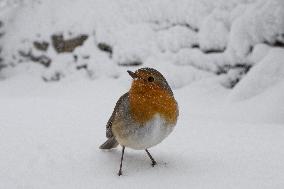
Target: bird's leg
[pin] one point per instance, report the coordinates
(120, 171)
(152, 159)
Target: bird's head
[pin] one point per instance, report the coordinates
(145, 79)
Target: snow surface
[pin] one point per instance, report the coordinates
(50, 134)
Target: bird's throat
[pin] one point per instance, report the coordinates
(146, 101)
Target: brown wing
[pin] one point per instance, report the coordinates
(109, 133)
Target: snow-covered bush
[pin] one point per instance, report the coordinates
(97, 38)
(214, 31)
(267, 73)
(261, 22)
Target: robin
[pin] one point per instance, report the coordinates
(144, 116)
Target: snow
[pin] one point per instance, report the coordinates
(268, 72)
(180, 37)
(198, 59)
(204, 34)
(258, 53)
(50, 132)
(214, 33)
(260, 22)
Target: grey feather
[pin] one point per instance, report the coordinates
(109, 133)
(109, 144)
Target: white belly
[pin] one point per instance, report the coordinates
(148, 135)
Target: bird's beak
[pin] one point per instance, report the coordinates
(132, 74)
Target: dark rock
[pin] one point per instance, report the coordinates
(85, 56)
(105, 47)
(84, 66)
(56, 77)
(1, 60)
(1, 27)
(42, 59)
(209, 51)
(167, 25)
(62, 45)
(279, 44)
(189, 27)
(241, 69)
(75, 57)
(195, 46)
(42, 46)
(224, 69)
(133, 63)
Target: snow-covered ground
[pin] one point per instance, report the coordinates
(50, 134)
(223, 59)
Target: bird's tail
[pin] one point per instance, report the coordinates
(109, 144)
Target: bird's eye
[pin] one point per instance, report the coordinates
(150, 79)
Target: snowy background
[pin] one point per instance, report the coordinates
(63, 67)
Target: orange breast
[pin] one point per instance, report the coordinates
(148, 100)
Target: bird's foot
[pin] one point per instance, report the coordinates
(154, 163)
(119, 173)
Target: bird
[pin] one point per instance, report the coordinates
(144, 116)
